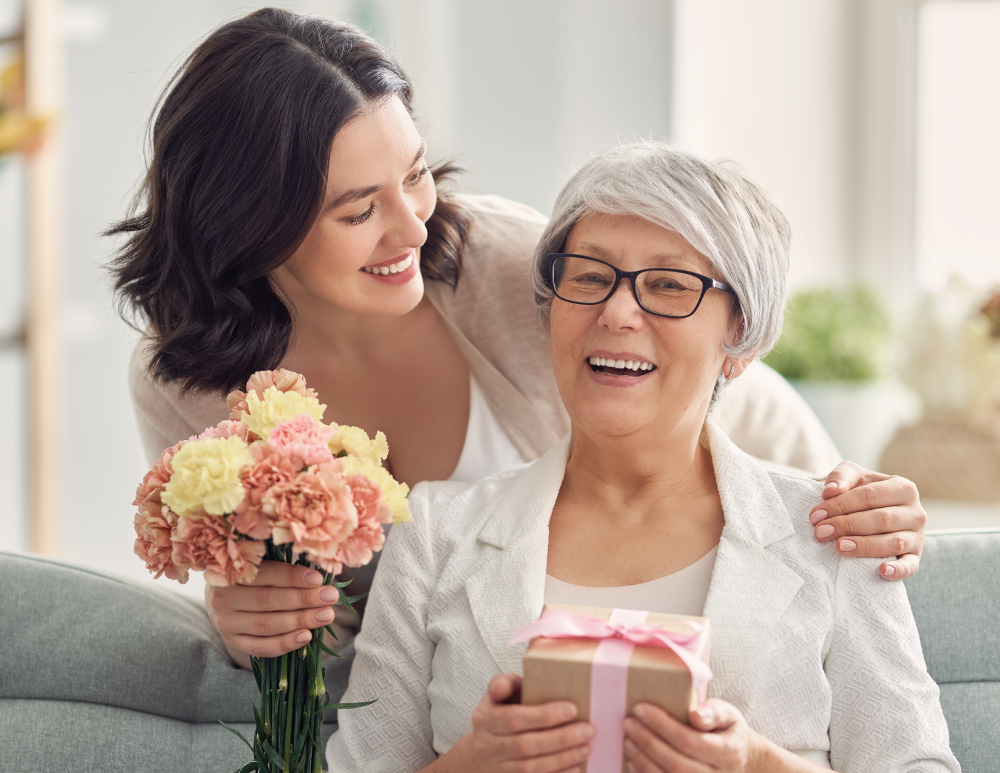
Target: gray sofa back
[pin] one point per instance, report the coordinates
(101, 674)
(955, 599)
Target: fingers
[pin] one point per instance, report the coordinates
(905, 566)
(276, 613)
(655, 741)
(846, 476)
(281, 575)
(530, 739)
(887, 491)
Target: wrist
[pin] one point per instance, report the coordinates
(760, 755)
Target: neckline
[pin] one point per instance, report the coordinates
(709, 557)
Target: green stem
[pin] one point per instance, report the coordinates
(289, 711)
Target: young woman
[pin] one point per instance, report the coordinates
(289, 219)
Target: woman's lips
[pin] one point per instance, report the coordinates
(395, 271)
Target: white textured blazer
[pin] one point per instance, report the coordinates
(819, 653)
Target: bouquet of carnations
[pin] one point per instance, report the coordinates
(272, 482)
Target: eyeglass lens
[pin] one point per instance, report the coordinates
(671, 293)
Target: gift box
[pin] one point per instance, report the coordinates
(607, 660)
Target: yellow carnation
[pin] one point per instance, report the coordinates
(355, 441)
(395, 492)
(276, 407)
(206, 474)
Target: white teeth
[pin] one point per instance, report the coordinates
(636, 365)
(395, 268)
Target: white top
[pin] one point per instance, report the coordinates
(487, 448)
(819, 653)
(681, 593)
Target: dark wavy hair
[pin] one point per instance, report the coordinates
(240, 154)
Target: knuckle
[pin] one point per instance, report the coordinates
(263, 598)
(885, 521)
(869, 495)
(898, 544)
(523, 746)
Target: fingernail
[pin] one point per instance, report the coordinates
(567, 710)
(585, 733)
(329, 594)
(890, 570)
(824, 531)
(324, 615)
(582, 752)
(831, 484)
(642, 712)
(630, 725)
(313, 578)
(303, 638)
(819, 515)
(847, 545)
(630, 747)
(706, 715)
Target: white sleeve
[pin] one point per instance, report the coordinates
(393, 661)
(886, 713)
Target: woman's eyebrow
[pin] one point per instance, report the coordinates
(356, 194)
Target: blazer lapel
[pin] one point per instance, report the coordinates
(751, 587)
(508, 591)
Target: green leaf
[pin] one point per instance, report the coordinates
(347, 601)
(328, 651)
(259, 720)
(275, 757)
(235, 732)
(249, 767)
(258, 671)
(343, 584)
(339, 706)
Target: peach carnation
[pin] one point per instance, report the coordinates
(368, 538)
(269, 469)
(283, 380)
(206, 543)
(153, 529)
(302, 437)
(315, 513)
(225, 429)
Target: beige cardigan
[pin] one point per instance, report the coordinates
(497, 329)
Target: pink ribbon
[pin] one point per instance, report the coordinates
(618, 637)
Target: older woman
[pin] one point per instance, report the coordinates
(663, 277)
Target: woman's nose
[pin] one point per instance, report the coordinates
(408, 227)
(622, 310)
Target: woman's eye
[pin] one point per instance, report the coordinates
(415, 177)
(359, 219)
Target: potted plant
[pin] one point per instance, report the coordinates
(833, 349)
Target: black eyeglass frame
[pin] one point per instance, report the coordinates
(707, 283)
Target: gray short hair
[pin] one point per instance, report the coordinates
(714, 206)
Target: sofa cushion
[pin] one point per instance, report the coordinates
(955, 599)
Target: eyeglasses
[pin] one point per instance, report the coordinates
(660, 291)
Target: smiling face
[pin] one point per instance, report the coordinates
(670, 365)
(362, 253)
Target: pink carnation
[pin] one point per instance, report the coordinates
(154, 522)
(284, 380)
(227, 428)
(302, 438)
(269, 470)
(153, 544)
(314, 511)
(207, 543)
(368, 538)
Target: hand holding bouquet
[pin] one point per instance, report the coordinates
(273, 481)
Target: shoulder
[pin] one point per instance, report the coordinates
(455, 511)
(164, 414)
(503, 233)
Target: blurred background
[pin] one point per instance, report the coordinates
(873, 123)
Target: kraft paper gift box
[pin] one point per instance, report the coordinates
(564, 663)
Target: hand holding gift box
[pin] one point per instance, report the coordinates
(608, 660)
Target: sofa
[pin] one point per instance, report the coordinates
(101, 674)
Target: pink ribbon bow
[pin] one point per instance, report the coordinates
(618, 637)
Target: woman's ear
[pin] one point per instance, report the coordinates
(733, 367)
